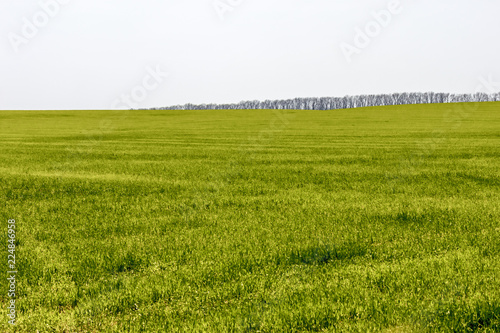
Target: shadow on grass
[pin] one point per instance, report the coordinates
(323, 254)
(460, 317)
(312, 255)
(435, 217)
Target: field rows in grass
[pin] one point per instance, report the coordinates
(372, 219)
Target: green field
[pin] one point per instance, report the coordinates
(364, 220)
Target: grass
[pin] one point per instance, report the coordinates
(382, 219)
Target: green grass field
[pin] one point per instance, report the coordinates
(382, 219)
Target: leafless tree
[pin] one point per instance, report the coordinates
(346, 102)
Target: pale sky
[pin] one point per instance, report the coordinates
(104, 54)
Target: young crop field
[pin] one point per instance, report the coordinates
(379, 219)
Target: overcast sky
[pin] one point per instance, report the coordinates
(96, 54)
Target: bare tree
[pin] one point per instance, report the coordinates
(346, 102)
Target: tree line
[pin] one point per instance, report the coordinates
(347, 102)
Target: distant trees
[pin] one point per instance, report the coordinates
(347, 102)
